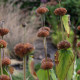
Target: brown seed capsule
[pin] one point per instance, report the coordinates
(78, 44)
(63, 45)
(60, 11)
(78, 72)
(42, 10)
(43, 32)
(4, 77)
(3, 44)
(3, 31)
(23, 49)
(47, 64)
(6, 61)
(78, 27)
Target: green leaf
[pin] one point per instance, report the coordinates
(31, 68)
(42, 74)
(66, 21)
(65, 58)
(70, 72)
(53, 74)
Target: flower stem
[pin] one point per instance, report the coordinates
(62, 28)
(1, 63)
(48, 75)
(45, 47)
(24, 67)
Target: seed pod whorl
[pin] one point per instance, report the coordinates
(4, 77)
(47, 64)
(6, 61)
(43, 32)
(3, 44)
(3, 31)
(22, 49)
(60, 11)
(42, 10)
(64, 45)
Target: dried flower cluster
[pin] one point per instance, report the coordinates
(23, 49)
(64, 45)
(6, 61)
(3, 44)
(43, 32)
(4, 77)
(60, 11)
(47, 64)
(3, 31)
(11, 70)
(42, 10)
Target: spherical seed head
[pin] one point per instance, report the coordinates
(6, 61)
(3, 31)
(78, 72)
(4, 77)
(42, 10)
(23, 49)
(46, 64)
(60, 11)
(78, 44)
(78, 27)
(3, 44)
(64, 45)
(29, 48)
(43, 32)
(19, 50)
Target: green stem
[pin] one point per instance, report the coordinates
(1, 63)
(24, 67)
(62, 28)
(45, 47)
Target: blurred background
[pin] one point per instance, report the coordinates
(18, 14)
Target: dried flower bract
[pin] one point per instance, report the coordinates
(3, 44)
(42, 10)
(43, 32)
(6, 61)
(3, 31)
(63, 45)
(4, 77)
(47, 64)
(60, 11)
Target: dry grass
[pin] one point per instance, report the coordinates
(13, 19)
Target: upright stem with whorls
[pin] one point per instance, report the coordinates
(45, 43)
(1, 63)
(24, 59)
(24, 67)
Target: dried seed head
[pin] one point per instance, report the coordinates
(3, 44)
(4, 77)
(3, 31)
(43, 32)
(63, 45)
(60, 11)
(6, 61)
(78, 72)
(23, 49)
(78, 27)
(78, 44)
(47, 64)
(42, 10)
